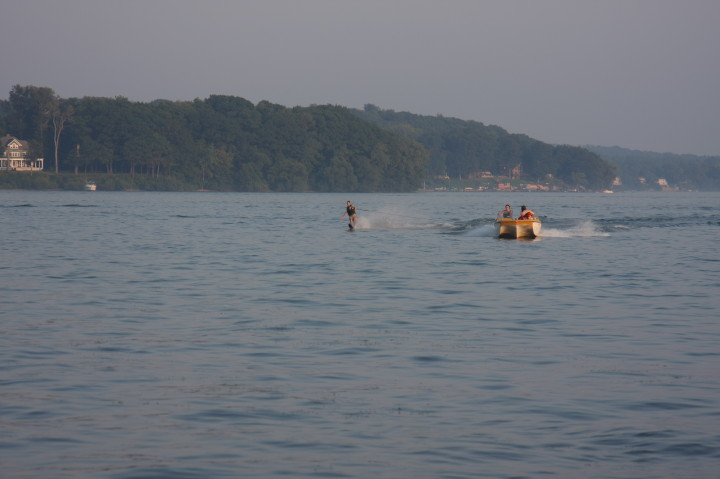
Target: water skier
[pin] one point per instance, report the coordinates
(350, 213)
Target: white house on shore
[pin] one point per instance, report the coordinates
(16, 155)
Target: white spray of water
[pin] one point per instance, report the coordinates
(483, 230)
(585, 229)
(394, 219)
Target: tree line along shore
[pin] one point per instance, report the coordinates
(227, 143)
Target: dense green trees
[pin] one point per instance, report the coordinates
(222, 143)
(227, 143)
(642, 169)
(459, 148)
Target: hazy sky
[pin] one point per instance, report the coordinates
(641, 74)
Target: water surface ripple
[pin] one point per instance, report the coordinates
(195, 335)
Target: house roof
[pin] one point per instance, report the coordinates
(7, 139)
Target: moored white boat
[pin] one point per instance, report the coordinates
(512, 228)
(90, 186)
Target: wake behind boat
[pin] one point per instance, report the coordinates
(512, 228)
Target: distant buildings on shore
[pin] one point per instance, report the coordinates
(486, 181)
(16, 155)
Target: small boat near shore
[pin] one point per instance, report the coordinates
(90, 186)
(512, 228)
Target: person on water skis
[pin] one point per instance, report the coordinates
(350, 213)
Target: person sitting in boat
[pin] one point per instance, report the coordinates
(506, 213)
(525, 213)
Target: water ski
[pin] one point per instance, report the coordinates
(350, 226)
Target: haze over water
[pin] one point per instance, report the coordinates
(189, 335)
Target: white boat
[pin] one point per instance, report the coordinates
(90, 186)
(511, 228)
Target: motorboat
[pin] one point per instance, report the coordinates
(90, 186)
(512, 228)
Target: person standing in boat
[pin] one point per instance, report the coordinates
(506, 213)
(350, 213)
(525, 213)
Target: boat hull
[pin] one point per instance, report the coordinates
(510, 228)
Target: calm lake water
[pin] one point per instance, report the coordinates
(212, 335)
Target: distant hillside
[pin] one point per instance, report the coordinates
(227, 143)
(459, 148)
(643, 169)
